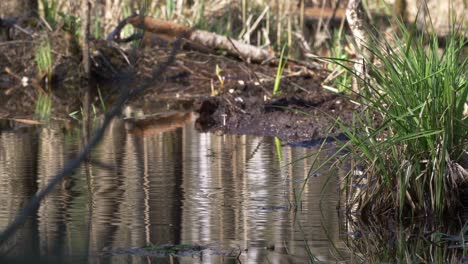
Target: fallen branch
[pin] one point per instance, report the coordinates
(207, 39)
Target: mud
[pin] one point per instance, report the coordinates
(229, 95)
(296, 115)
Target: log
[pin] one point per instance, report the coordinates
(158, 26)
(170, 30)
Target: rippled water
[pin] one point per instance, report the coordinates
(232, 194)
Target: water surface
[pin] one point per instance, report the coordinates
(233, 194)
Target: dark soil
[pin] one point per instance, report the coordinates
(236, 100)
(296, 115)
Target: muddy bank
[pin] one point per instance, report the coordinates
(304, 110)
(230, 95)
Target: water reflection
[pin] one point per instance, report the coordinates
(18, 176)
(230, 193)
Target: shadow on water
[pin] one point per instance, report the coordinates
(227, 198)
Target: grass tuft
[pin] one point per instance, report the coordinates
(342, 78)
(50, 9)
(411, 137)
(44, 106)
(43, 58)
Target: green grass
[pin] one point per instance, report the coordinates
(44, 106)
(170, 7)
(50, 9)
(223, 25)
(279, 72)
(279, 150)
(43, 58)
(337, 50)
(71, 23)
(127, 30)
(97, 29)
(412, 131)
(200, 21)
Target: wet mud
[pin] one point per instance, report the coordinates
(228, 94)
(300, 114)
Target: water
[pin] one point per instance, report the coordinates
(155, 185)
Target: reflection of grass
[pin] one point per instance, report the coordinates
(279, 151)
(101, 100)
(44, 106)
(412, 130)
(375, 243)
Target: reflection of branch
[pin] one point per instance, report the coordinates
(125, 95)
(156, 125)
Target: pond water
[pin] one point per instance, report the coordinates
(237, 196)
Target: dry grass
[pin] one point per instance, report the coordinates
(266, 23)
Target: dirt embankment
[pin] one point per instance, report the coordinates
(303, 111)
(230, 95)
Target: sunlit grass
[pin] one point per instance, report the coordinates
(279, 150)
(279, 72)
(342, 78)
(44, 106)
(412, 132)
(43, 58)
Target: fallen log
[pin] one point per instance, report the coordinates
(170, 30)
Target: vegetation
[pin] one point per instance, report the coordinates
(412, 132)
(44, 106)
(340, 77)
(43, 57)
(281, 64)
(50, 10)
(406, 146)
(376, 243)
